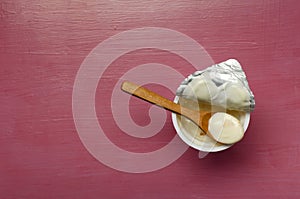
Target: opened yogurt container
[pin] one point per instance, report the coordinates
(222, 87)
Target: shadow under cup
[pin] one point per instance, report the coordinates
(193, 136)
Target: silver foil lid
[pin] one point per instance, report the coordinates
(222, 84)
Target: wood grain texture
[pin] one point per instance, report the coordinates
(42, 45)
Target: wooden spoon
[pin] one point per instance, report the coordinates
(200, 118)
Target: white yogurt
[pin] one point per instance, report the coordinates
(225, 128)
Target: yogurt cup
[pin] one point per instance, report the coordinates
(221, 87)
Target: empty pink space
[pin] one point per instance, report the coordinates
(43, 48)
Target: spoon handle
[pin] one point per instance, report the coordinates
(160, 101)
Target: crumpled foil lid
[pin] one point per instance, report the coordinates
(222, 84)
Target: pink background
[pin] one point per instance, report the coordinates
(42, 45)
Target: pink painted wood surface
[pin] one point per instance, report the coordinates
(42, 45)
